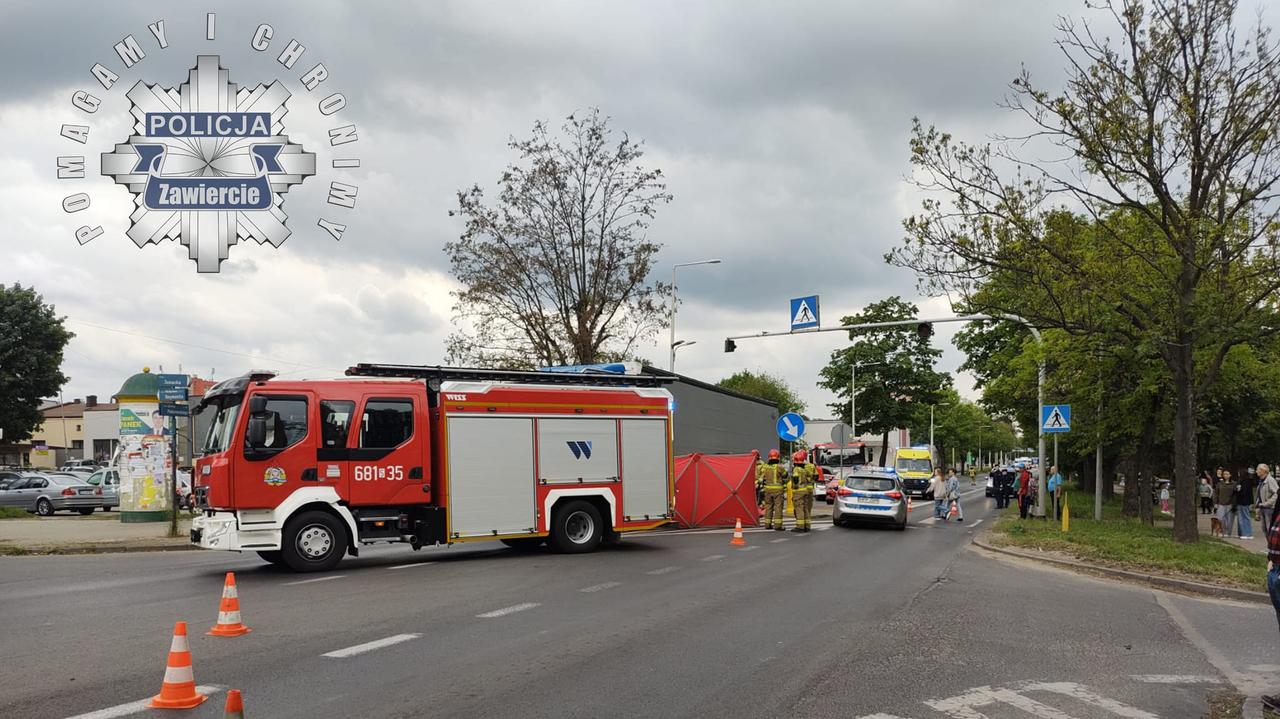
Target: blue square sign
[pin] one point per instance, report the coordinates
(1055, 418)
(804, 313)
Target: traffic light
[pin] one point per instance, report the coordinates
(924, 330)
(730, 345)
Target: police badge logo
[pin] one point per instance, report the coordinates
(208, 163)
(274, 476)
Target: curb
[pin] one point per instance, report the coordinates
(100, 549)
(1184, 585)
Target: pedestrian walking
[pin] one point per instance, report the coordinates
(938, 490)
(1205, 491)
(1024, 492)
(1244, 505)
(953, 497)
(771, 478)
(1164, 498)
(803, 475)
(1266, 494)
(1226, 498)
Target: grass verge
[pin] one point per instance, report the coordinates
(14, 513)
(1124, 543)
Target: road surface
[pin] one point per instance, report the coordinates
(838, 622)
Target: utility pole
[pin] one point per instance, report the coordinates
(671, 366)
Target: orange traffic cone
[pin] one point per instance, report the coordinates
(738, 540)
(909, 507)
(955, 509)
(235, 705)
(229, 612)
(179, 688)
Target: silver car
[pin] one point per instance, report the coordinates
(106, 482)
(45, 494)
(870, 496)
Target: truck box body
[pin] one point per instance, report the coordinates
(430, 460)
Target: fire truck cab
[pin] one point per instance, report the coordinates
(304, 472)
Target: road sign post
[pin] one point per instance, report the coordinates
(1055, 419)
(172, 394)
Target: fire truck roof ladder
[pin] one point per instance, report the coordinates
(434, 375)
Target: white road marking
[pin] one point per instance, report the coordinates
(124, 710)
(415, 564)
(663, 570)
(507, 610)
(600, 587)
(1174, 679)
(779, 539)
(880, 715)
(312, 581)
(965, 705)
(712, 558)
(930, 520)
(370, 646)
(823, 528)
(1245, 683)
(1080, 693)
(980, 521)
(748, 549)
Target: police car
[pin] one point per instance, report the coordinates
(873, 496)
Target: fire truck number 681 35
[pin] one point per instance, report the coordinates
(370, 473)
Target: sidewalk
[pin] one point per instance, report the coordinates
(75, 535)
(1258, 544)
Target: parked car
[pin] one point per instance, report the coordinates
(870, 496)
(89, 464)
(106, 482)
(45, 494)
(8, 477)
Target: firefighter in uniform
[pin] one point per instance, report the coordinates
(771, 478)
(803, 477)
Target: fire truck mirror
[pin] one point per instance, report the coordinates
(256, 433)
(257, 405)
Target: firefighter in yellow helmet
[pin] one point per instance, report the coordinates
(803, 477)
(771, 478)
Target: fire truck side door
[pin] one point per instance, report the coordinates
(265, 475)
(333, 465)
(388, 451)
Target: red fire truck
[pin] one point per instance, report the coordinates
(304, 472)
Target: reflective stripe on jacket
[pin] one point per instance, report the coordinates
(771, 476)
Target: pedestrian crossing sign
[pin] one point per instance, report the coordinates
(804, 313)
(1055, 418)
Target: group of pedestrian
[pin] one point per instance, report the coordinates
(1008, 483)
(1232, 500)
(946, 495)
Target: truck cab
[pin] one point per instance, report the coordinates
(304, 472)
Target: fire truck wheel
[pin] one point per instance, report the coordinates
(313, 542)
(275, 556)
(576, 528)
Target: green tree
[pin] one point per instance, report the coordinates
(32, 338)
(557, 271)
(765, 386)
(898, 375)
(1174, 127)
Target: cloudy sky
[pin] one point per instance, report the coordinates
(781, 127)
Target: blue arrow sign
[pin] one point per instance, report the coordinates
(790, 427)
(804, 313)
(1055, 418)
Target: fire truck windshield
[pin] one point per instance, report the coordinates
(222, 426)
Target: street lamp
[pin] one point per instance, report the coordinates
(681, 343)
(672, 365)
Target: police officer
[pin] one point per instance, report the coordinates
(803, 476)
(771, 478)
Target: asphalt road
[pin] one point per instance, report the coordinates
(839, 622)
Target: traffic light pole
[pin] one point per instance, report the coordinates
(730, 344)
